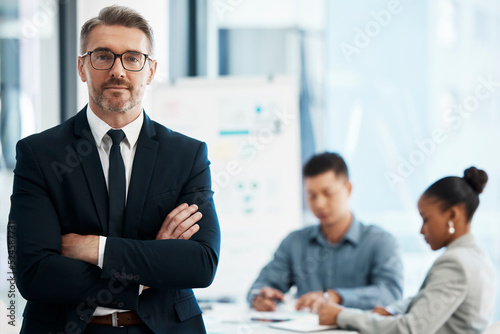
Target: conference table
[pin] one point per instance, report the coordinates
(229, 318)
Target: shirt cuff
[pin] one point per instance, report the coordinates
(348, 297)
(102, 247)
(255, 290)
(347, 317)
(399, 307)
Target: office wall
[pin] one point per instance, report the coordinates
(411, 92)
(251, 127)
(28, 31)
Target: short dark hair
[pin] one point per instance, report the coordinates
(117, 15)
(453, 190)
(324, 162)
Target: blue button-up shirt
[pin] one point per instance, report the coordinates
(364, 268)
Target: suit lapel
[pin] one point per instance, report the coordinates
(142, 171)
(91, 164)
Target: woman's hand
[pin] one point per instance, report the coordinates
(328, 314)
(381, 310)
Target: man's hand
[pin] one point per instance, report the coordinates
(267, 300)
(313, 300)
(328, 314)
(180, 223)
(80, 247)
(381, 310)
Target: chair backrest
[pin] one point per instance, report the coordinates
(493, 329)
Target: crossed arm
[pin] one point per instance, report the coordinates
(179, 224)
(54, 267)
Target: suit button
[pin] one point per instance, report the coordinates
(116, 274)
(137, 277)
(130, 277)
(121, 304)
(123, 276)
(84, 317)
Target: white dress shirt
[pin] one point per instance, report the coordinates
(128, 146)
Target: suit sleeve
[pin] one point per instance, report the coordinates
(444, 291)
(386, 282)
(399, 307)
(41, 272)
(174, 264)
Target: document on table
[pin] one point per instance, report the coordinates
(306, 324)
(276, 316)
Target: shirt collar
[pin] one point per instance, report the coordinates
(100, 128)
(353, 234)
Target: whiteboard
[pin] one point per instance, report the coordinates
(251, 127)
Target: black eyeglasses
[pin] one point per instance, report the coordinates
(104, 60)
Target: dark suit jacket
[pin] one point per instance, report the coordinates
(59, 188)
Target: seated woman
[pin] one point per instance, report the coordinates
(457, 295)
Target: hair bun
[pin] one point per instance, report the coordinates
(476, 178)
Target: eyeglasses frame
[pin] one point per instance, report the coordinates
(89, 53)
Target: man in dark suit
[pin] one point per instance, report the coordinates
(113, 213)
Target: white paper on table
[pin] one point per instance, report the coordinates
(305, 324)
(276, 316)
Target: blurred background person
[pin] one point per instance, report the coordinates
(457, 295)
(341, 259)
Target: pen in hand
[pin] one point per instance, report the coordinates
(325, 294)
(276, 300)
(266, 298)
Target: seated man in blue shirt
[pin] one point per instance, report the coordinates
(353, 264)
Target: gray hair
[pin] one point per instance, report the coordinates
(117, 15)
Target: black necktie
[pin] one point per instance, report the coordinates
(116, 184)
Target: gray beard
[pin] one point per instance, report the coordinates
(122, 107)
